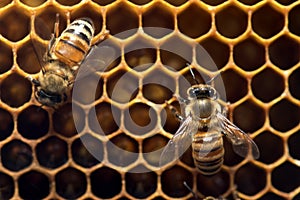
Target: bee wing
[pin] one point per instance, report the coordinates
(241, 142)
(98, 59)
(180, 142)
(41, 29)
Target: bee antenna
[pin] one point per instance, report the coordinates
(190, 189)
(213, 78)
(193, 75)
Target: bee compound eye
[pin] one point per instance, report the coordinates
(193, 91)
(213, 93)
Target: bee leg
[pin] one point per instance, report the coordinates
(175, 112)
(190, 189)
(226, 111)
(56, 26)
(34, 81)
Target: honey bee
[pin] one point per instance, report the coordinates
(62, 59)
(203, 126)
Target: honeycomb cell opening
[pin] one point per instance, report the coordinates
(15, 90)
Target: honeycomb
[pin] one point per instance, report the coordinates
(59, 154)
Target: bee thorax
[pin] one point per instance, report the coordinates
(53, 83)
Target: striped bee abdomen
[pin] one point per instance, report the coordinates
(74, 42)
(208, 152)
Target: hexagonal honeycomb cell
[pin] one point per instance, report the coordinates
(106, 143)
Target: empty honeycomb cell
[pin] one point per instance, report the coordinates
(151, 147)
(267, 22)
(286, 177)
(6, 57)
(122, 150)
(15, 90)
(231, 158)
(33, 122)
(272, 196)
(7, 186)
(285, 2)
(105, 182)
(284, 52)
(250, 179)
(294, 83)
(158, 198)
(218, 54)
(123, 198)
(122, 86)
(159, 16)
(87, 151)
(140, 118)
(172, 181)
(284, 115)
(231, 21)
(14, 24)
(141, 185)
(248, 116)
(6, 124)
(213, 2)
(175, 53)
(68, 3)
(68, 120)
(52, 152)
(5, 2)
(176, 2)
(293, 142)
(140, 2)
(27, 57)
(214, 185)
(235, 86)
(105, 119)
(33, 185)
(249, 54)
(33, 3)
(168, 119)
(44, 22)
(16, 155)
(95, 91)
(267, 85)
(158, 87)
(90, 12)
(103, 2)
(122, 19)
(70, 183)
(294, 24)
(140, 54)
(270, 146)
(191, 27)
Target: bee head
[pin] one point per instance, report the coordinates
(202, 91)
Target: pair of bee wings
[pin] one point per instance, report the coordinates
(182, 139)
(99, 57)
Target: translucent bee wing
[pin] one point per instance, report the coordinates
(40, 29)
(98, 59)
(39, 50)
(241, 142)
(180, 142)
